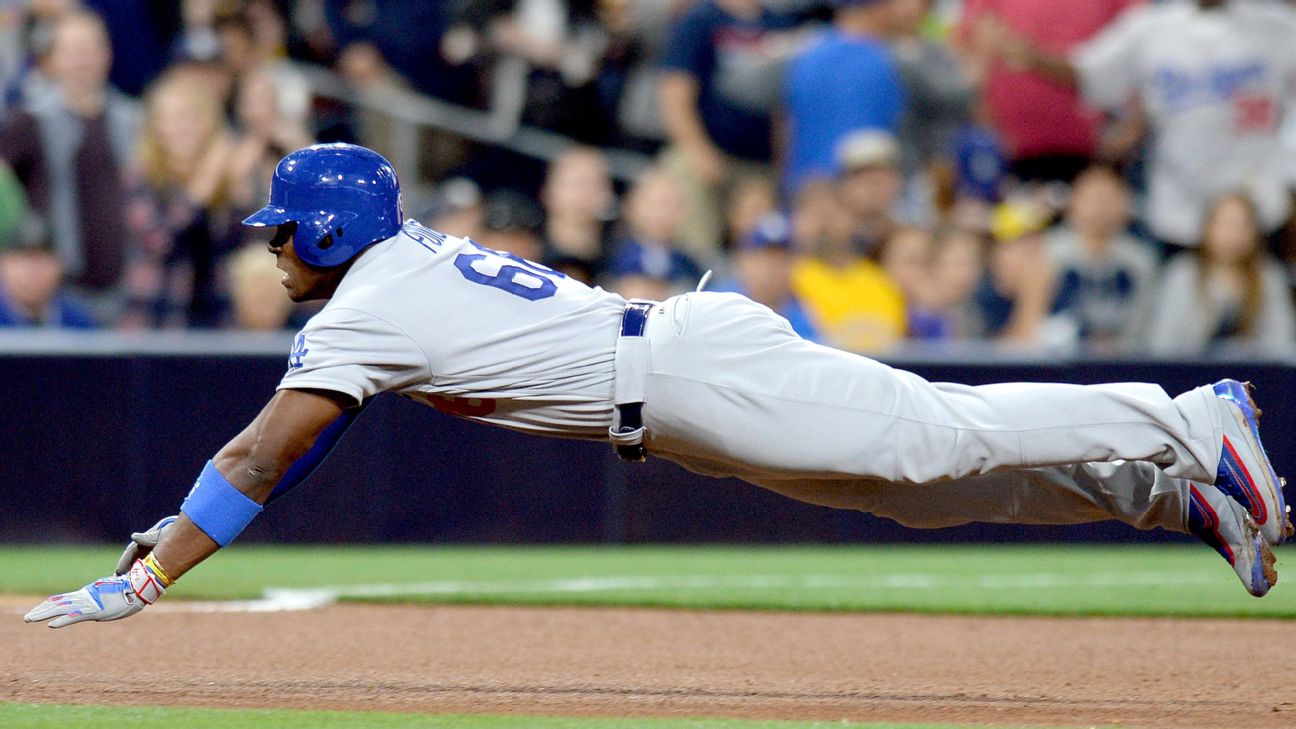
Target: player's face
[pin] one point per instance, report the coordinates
(303, 281)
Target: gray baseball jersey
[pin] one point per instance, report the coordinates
(469, 331)
(730, 390)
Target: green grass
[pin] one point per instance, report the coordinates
(54, 716)
(1046, 580)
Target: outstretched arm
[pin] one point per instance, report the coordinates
(227, 496)
(253, 463)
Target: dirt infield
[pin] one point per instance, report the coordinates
(612, 662)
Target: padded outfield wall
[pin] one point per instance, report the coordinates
(104, 434)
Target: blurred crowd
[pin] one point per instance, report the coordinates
(1104, 176)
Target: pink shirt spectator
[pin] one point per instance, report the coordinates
(1036, 116)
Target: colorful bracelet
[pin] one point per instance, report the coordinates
(151, 562)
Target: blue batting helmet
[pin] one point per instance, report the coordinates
(342, 197)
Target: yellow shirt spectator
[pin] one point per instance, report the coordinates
(856, 307)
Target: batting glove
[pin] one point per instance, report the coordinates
(142, 543)
(110, 598)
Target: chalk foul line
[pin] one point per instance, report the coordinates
(283, 599)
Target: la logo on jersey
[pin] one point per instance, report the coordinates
(298, 353)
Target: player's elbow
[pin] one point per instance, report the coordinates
(266, 462)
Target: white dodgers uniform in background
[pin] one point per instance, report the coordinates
(1214, 84)
(728, 389)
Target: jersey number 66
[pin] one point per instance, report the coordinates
(517, 276)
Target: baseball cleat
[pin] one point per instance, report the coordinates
(1227, 527)
(1244, 471)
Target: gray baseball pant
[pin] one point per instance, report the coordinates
(730, 390)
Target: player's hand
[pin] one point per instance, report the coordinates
(109, 598)
(142, 543)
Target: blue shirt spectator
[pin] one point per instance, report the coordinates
(847, 80)
(736, 73)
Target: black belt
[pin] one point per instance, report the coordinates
(633, 322)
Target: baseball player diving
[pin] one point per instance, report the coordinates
(712, 381)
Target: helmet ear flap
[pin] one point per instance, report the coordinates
(318, 240)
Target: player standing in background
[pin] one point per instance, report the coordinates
(715, 382)
(1212, 78)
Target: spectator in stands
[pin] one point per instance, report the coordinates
(70, 149)
(253, 42)
(27, 74)
(751, 200)
(850, 301)
(653, 217)
(511, 223)
(938, 92)
(907, 257)
(562, 45)
(635, 276)
(722, 70)
(762, 271)
(179, 224)
(210, 78)
(31, 282)
(957, 270)
(1227, 291)
(637, 33)
(1049, 133)
(1015, 297)
(197, 39)
(456, 208)
(257, 301)
(1212, 77)
(264, 137)
(871, 185)
(846, 81)
(237, 43)
(1106, 277)
(373, 37)
(578, 201)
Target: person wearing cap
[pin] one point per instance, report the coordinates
(637, 271)
(871, 185)
(511, 223)
(31, 282)
(648, 264)
(762, 271)
(846, 81)
(1016, 294)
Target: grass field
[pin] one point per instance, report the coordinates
(29, 716)
(1043, 580)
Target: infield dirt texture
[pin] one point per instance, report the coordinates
(642, 662)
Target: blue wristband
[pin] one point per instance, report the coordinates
(217, 508)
